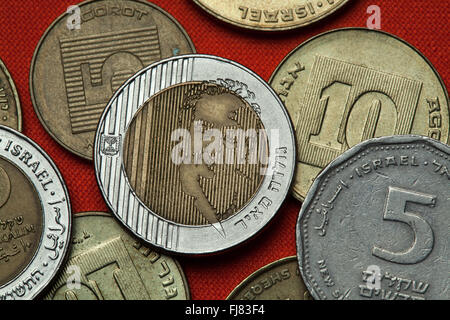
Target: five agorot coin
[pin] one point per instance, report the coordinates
(77, 68)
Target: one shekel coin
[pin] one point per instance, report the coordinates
(10, 110)
(375, 224)
(35, 217)
(195, 154)
(270, 15)
(279, 280)
(106, 263)
(349, 85)
(86, 55)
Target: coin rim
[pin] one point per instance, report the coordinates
(260, 271)
(195, 252)
(15, 94)
(347, 155)
(41, 41)
(296, 194)
(248, 27)
(64, 252)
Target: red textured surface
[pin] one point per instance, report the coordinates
(424, 24)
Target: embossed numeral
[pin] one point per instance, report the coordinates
(337, 113)
(423, 234)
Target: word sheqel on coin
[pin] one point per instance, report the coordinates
(195, 154)
(35, 217)
(86, 55)
(375, 223)
(108, 264)
(349, 85)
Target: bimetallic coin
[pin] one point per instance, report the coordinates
(10, 111)
(195, 154)
(106, 263)
(86, 55)
(375, 224)
(279, 280)
(270, 15)
(35, 217)
(350, 85)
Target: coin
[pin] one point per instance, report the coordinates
(195, 154)
(35, 217)
(10, 111)
(106, 263)
(84, 57)
(345, 86)
(270, 15)
(375, 224)
(279, 280)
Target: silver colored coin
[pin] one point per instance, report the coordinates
(189, 207)
(35, 217)
(375, 224)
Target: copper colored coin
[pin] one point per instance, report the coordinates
(279, 280)
(270, 15)
(10, 111)
(77, 67)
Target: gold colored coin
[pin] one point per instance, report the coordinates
(10, 110)
(190, 193)
(349, 85)
(108, 264)
(270, 15)
(279, 280)
(77, 66)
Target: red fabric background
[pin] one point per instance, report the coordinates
(424, 24)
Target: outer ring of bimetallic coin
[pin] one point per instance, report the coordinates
(16, 95)
(33, 62)
(257, 273)
(149, 226)
(296, 194)
(343, 158)
(242, 25)
(42, 269)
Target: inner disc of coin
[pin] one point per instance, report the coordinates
(20, 221)
(193, 153)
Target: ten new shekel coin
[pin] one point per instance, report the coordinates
(195, 154)
(350, 85)
(279, 280)
(35, 217)
(375, 224)
(270, 15)
(87, 53)
(106, 263)
(10, 111)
